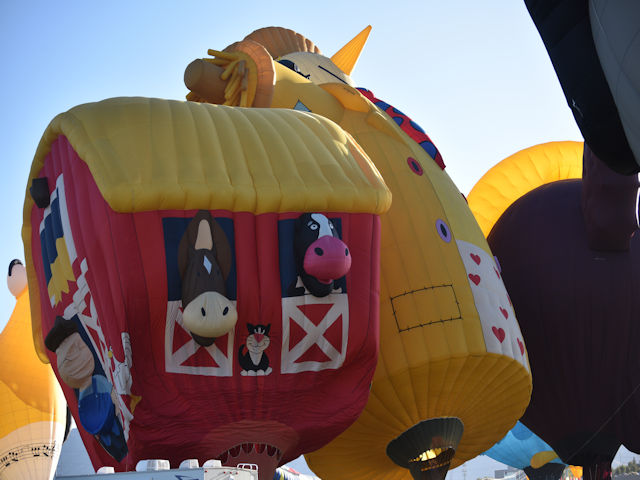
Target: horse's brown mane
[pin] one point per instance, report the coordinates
(221, 247)
(280, 41)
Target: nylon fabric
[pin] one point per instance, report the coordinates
(125, 301)
(418, 374)
(562, 288)
(520, 173)
(32, 407)
(130, 145)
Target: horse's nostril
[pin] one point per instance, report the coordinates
(346, 252)
(318, 251)
(225, 311)
(204, 314)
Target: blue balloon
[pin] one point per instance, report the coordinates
(518, 446)
(521, 432)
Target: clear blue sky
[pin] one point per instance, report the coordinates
(474, 75)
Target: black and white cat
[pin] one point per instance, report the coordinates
(254, 361)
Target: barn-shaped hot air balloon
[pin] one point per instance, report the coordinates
(204, 279)
(523, 449)
(570, 256)
(450, 345)
(33, 412)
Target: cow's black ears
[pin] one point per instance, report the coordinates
(302, 220)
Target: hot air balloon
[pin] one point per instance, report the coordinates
(32, 408)
(593, 46)
(449, 339)
(570, 256)
(576, 471)
(204, 279)
(523, 449)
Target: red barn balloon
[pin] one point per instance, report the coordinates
(189, 305)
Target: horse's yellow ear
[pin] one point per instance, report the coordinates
(346, 58)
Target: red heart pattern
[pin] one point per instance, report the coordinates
(474, 278)
(504, 327)
(499, 333)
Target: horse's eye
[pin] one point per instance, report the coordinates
(313, 226)
(292, 66)
(289, 64)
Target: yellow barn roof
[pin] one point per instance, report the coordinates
(153, 154)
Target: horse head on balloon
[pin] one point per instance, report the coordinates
(276, 67)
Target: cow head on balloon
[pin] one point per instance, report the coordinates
(204, 261)
(321, 257)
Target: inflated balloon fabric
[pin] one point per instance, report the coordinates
(32, 407)
(138, 189)
(590, 71)
(616, 33)
(520, 173)
(449, 338)
(550, 471)
(518, 446)
(577, 307)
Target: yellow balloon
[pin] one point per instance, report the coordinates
(520, 173)
(32, 406)
(450, 347)
(448, 336)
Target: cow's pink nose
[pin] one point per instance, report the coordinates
(327, 258)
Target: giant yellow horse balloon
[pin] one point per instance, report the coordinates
(453, 374)
(32, 407)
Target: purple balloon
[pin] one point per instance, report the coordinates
(575, 287)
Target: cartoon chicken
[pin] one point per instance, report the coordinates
(449, 339)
